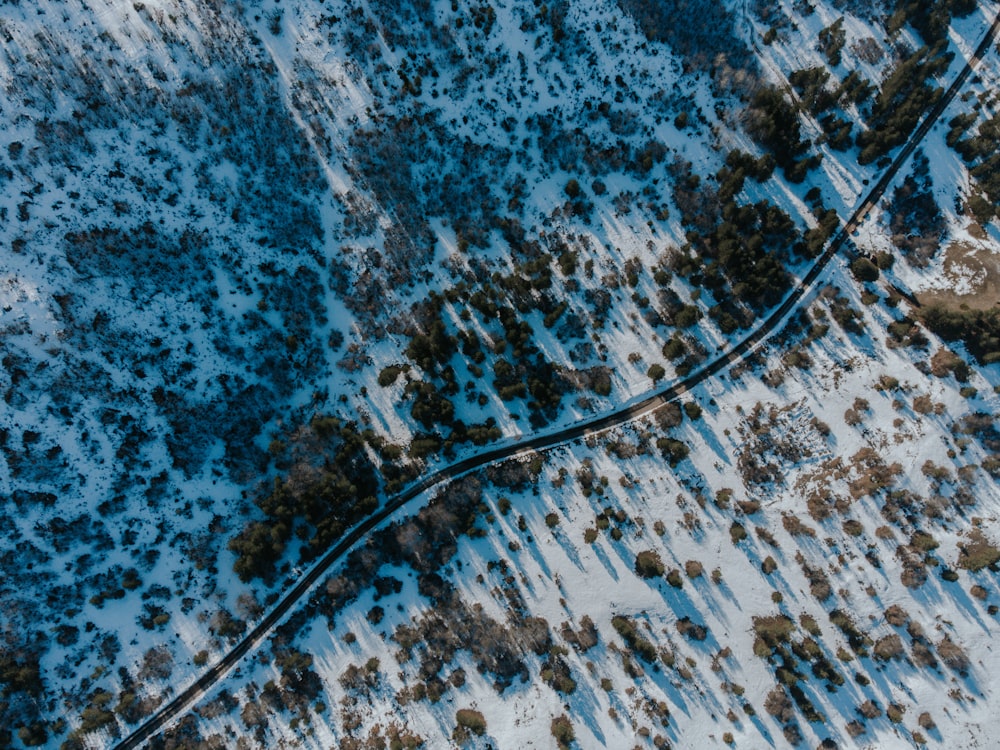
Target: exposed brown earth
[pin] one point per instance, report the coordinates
(971, 266)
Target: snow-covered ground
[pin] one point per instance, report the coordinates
(837, 543)
(220, 220)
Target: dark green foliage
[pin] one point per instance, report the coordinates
(673, 450)
(472, 720)
(930, 17)
(443, 173)
(701, 45)
(915, 220)
(810, 84)
(771, 120)
(627, 629)
(804, 704)
(556, 673)
(429, 406)
(33, 735)
(746, 248)
(477, 434)
(431, 349)
(838, 132)
(854, 88)
(567, 261)
(979, 330)
(905, 96)
(814, 239)
(675, 348)
(388, 375)
(297, 675)
(691, 629)
(856, 639)
(982, 153)
(774, 630)
(978, 553)
(958, 125)
(687, 316)
(693, 410)
(19, 672)
(530, 374)
(904, 332)
(737, 532)
(831, 41)
(96, 715)
(317, 502)
(846, 316)
(864, 270)
(982, 210)
(760, 168)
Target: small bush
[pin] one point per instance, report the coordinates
(387, 376)
(869, 709)
(896, 616)
(673, 450)
(889, 647)
(471, 720)
(774, 630)
(649, 565)
(737, 532)
(691, 629)
(853, 527)
(953, 655)
(563, 732)
(864, 270)
(978, 553)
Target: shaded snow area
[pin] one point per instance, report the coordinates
(266, 264)
(816, 570)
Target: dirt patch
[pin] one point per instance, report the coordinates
(973, 274)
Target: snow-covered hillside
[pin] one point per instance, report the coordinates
(268, 262)
(818, 569)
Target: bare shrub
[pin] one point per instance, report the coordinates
(779, 705)
(887, 648)
(953, 655)
(869, 709)
(896, 616)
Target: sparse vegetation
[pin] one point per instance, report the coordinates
(649, 565)
(265, 273)
(469, 720)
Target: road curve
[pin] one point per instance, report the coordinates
(165, 715)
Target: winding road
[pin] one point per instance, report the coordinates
(184, 700)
